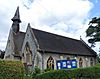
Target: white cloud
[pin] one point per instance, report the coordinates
(69, 16)
(65, 17)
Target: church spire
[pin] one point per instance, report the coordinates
(16, 16)
(16, 21)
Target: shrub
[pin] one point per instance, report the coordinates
(97, 65)
(53, 74)
(11, 70)
(46, 70)
(78, 73)
(35, 72)
(28, 76)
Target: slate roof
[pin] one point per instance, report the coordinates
(53, 43)
(18, 41)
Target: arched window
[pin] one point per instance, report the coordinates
(80, 63)
(91, 62)
(50, 63)
(28, 55)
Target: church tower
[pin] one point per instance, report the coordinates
(15, 39)
(16, 21)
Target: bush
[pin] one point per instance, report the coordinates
(28, 76)
(79, 73)
(11, 70)
(35, 72)
(46, 70)
(53, 74)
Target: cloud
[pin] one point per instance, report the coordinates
(64, 17)
(6, 10)
(68, 16)
(27, 3)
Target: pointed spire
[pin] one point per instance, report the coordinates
(16, 16)
(16, 21)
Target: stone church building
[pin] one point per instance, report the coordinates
(39, 48)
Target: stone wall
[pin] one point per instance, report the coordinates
(9, 51)
(30, 39)
(86, 59)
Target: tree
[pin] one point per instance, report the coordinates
(93, 31)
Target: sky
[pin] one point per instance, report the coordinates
(68, 18)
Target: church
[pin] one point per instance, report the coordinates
(43, 49)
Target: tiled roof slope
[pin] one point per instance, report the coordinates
(18, 41)
(53, 43)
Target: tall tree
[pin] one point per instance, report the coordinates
(93, 31)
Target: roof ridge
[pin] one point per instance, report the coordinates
(56, 34)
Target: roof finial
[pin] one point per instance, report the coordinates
(29, 24)
(80, 37)
(16, 16)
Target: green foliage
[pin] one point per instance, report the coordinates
(97, 65)
(35, 72)
(90, 31)
(98, 59)
(79, 73)
(46, 70)
(11, 70)
(53, 74)
(93, 31)
(28, 76)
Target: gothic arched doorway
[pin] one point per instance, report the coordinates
(50, 63)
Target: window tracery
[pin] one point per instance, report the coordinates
(80, 62)
(50, 63)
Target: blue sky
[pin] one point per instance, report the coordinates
(64, 17)
(96, 8)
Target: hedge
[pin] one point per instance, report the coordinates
(56, 74)
(79, 73)
(11, 69)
